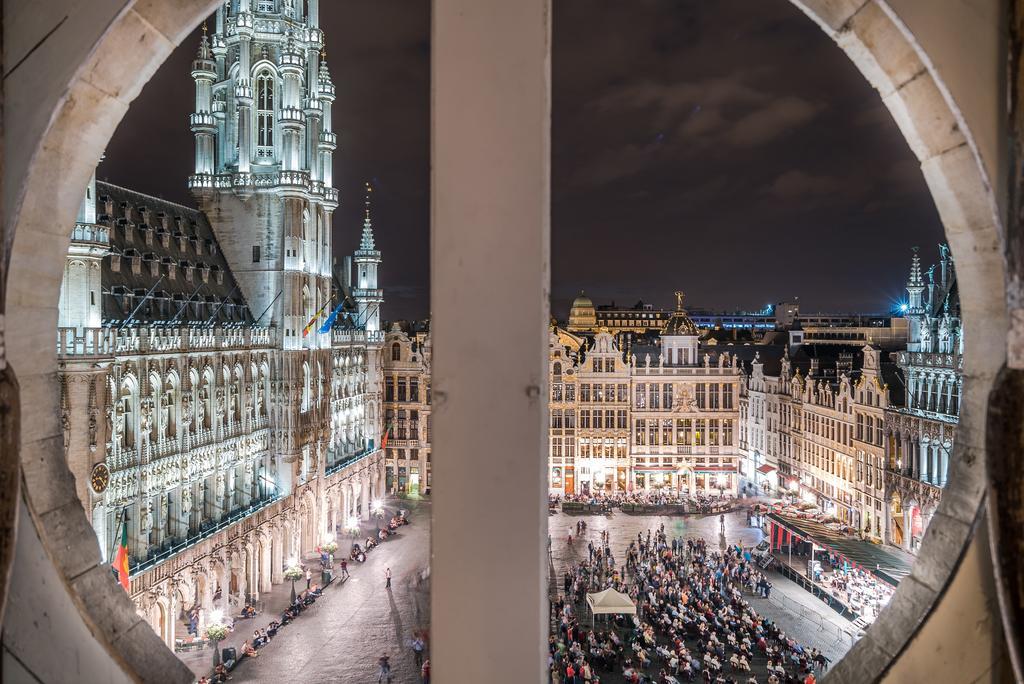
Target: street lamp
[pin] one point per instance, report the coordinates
(378, 511)
(293, 572)
(216, 631)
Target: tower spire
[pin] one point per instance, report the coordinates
(367, 258)
(915, 271)
(367, 243)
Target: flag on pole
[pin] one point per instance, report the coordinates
(384, 439)
(120, 564)
(326, 327)
(315, 318)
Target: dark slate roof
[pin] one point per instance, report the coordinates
(150, 239)
(893, 377)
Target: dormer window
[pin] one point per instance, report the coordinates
(115, 263)
(204, 271)
(154, 264)
(147, 232)
(129, 232)
(136, 260)
(172, 268)
(165, 238)
(265, 6)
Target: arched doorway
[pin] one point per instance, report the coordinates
(113, 62)
(896, 533)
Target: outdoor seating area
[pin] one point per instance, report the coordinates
(858, 575)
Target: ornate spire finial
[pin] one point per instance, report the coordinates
(915, 270)
(367, 242)
(679, 300)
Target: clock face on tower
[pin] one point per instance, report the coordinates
(100, 478)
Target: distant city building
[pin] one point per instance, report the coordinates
(584, 317)
(406, 372)
(643, 418)
(210, 404)
(862, 432)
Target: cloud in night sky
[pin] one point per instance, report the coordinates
(727, 148)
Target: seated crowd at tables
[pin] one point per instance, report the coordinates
(699, 502)
(692, 621)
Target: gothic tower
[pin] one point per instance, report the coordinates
(915, 304)
(264, 150)
(367, 295)
(81, 290)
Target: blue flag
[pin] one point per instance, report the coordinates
(326, 327)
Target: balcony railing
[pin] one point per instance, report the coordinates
(350, 459)
(90, 232)
(212, 528)
(98, 342)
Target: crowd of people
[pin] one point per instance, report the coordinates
(692, 622)
(695, 502)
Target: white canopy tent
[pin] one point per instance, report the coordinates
(610, 601)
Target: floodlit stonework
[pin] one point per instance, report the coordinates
(71, 70)
(200, 408)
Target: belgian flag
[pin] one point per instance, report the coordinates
(120, 565)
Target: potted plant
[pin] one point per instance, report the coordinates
(216, 632)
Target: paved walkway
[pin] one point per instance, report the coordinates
(329, 640)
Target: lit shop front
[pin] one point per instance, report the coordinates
(715, 482)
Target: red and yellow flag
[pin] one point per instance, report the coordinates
(120, 564)
(315, 318)
(384, 439)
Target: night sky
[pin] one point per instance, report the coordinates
(725, 148)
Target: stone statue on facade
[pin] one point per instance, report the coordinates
(201, 411)
(186, 501)
(707, 360)
(93, 425)
(219, 491)
(119, 420)
(146, 421)
(165, 417)
(146, 519)
(65, 424)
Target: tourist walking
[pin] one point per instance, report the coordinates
(387, 578)
(385, 669)
(425, 672)
(344, 568)
(309, 578)
(417, 649)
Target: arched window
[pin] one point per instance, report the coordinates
(265, 115)
(305, 388)
(396, 352)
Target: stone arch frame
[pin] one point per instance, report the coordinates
(134, 44)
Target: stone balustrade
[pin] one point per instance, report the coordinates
(107, 342)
